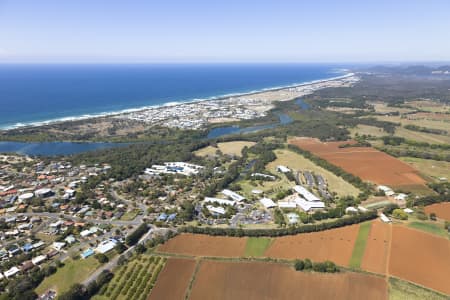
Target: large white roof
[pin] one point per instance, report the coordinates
(305, 193)
(268, 203)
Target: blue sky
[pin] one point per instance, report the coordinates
(224, 31)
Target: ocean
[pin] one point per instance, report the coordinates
(34, 93)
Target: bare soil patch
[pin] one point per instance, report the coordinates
(365, 162)
(173, 281)
(375, 257)
(421, 258)
(263, 281)
(442, 210)
(335, 245)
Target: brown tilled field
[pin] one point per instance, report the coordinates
(174, 279)
(421, 258)
(365, 162)
(442, 210)
(377, 248)
(259, 281)
(335, 245)
(205, 245)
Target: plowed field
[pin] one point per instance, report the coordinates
(335, 245)
(442, 210)
(365, 162)
(377, 247)
(173, 280)
(264, 281)
(421, 258)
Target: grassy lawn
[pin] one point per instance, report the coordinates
(297, 162)
(256, 246)
(360, 245)
(74, 271)
(402, 290)
(230, 148)
(436, 229)
(432, 169)
(130, 215)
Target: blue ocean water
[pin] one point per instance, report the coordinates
(36, 93)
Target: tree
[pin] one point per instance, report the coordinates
(307, 264)
(140, 248)
(399, 214)
(433, 216)
(102, 258)
(299, 265)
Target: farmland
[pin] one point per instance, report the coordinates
(442, 210)
(429, 227)
(335, 245)
(375, 257)
(360, 245)
(365, 162)
(205, 245)
(258, 280)
(174, 279)
(432, 169)
(134, 280)
(421, 258)
(401, 290)
(257, 246)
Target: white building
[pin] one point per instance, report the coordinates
(268, 203)
(351, 210)
(216, 210)
(308, 205)
(235, 196)
(219, 201)
(283, 169)
(58, 245)
(286, 204)
(385, 219)
(38, 259)
(11, 272)
(305, 193)
(387, 190)
(106, 246)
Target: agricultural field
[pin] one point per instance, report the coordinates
(422, 136)
(365, 162)
(403, 290)
(261, 280)
(335, 245)
(205, 245)
(72, 272)
(257, 246)
(228, 148)
(297, 162)
(420, 257)
(382, 107)
(430, 169)
(442, 210)
(360, 245)
(133, 280)
(430, 106)
(430, 227)
(174, 279)
(361, 129)
(375, 257)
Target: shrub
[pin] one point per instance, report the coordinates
(399, 214)
(299, 265)
(308, 264)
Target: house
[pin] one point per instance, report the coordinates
(106, 246)
(58, 245)
(401, 197)
(362, 209)
(286, 204)
(308, 205)
(351, 210)
(27, 247)
(387, 190)
(171, 217)
(216, 210)
(162, 217)
(27, 265)
(85, 233)
(38, 259)
(11, 272)
(70, 239)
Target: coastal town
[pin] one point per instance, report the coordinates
(197, 115)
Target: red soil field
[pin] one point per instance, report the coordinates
(442, 210)
(263, 281)
(375, 257)
(335, 245)
(365, 162)
(205, 245)
(421, 258)
(174, 279)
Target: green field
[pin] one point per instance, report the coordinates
(431, 169)
(360, 245)
(130, 215)
(402, 290)
(133, 280)
(256, 246)
(436, 229)
(74, 271)
(229, 148)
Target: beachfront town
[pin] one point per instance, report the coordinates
(197, 115)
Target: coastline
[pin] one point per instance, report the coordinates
(171, 104)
